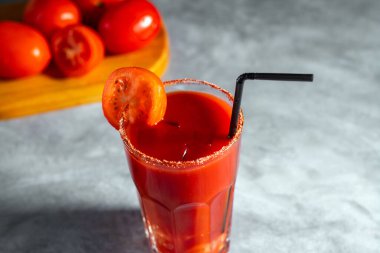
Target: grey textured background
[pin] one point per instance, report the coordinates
(309, 176)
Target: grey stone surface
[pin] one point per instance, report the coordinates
(310, 160)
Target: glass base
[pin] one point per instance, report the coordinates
(218, 245)
(189, 228)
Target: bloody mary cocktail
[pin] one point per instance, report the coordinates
(185, 169)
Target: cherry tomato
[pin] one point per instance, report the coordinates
(51, 15)
(93, 10)
(23, 51)
(129, 26)
(76, 50)
(136, 94)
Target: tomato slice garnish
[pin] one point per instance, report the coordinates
(136, 94)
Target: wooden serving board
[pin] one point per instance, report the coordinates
(42, 93)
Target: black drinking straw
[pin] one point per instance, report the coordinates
(258, 76)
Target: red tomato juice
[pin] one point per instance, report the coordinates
(187, 202)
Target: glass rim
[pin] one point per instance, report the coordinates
(174, 165)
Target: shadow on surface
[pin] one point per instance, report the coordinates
(74, 231)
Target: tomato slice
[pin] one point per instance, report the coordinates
(136, 94)
(77, 50)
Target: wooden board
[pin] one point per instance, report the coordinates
(42, 93)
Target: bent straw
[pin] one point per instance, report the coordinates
(259, 76)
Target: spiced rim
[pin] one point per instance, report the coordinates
(191, 164)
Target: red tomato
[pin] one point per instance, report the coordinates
(51, 15)
(23, 51)
(76, 50)
(129, 26)
(93, 10)
(136, 94)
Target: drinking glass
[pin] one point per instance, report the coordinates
(187, 205)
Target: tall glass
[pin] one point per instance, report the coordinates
(187, 205)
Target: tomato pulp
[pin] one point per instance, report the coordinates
(76, 50)
(186, 208)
